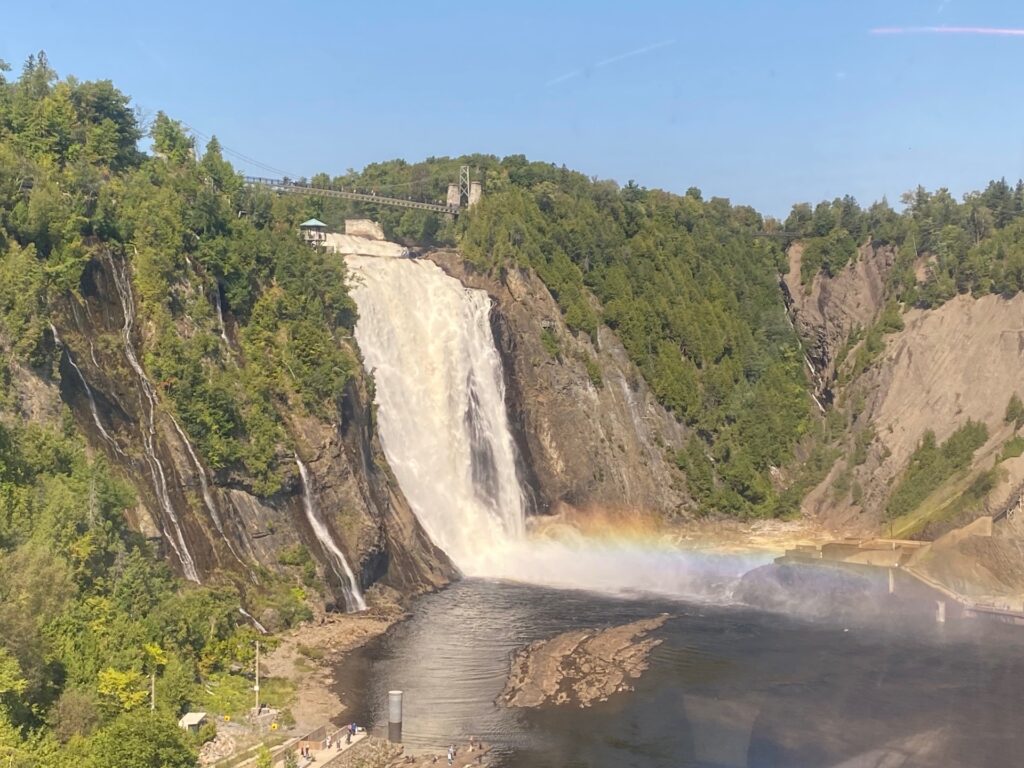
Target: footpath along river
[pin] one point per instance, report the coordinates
(728, 686)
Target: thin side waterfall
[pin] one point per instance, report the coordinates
(353, 595)
(441, 405)
(220, 320)
(211, 506)
(207, 498)
(259, 627)
(122, 282)
(88, 392)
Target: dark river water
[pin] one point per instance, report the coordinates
(729, 686)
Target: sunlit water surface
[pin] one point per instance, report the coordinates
(729, 686)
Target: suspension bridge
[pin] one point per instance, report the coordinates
(465, 190)
(299, 188)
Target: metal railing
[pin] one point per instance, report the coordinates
(304, 188)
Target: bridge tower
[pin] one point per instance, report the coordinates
(464, 183)
(469, 191)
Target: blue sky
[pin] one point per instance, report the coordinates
(766, 103)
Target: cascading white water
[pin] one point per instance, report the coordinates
(353, 595)
(259, 627)
(220, 321)
(211, 506)
(441, 405)
(88, 391)
(444, 427)
(122, 282)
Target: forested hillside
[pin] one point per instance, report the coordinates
(242, 331)
(689, 285)
(88, 607)
(946, 246)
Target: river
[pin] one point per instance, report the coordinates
(729, 686)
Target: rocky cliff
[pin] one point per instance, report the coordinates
(215, 525)
(829, 309)
(589, 430)
(960, 361)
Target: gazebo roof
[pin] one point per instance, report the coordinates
(313, 223)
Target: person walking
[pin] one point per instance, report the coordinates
(451, 754)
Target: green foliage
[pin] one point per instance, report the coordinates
(828, 254)
(141, 739)
(975, 245)
(1011, 449)
(689, 288)
(88, 611)
(931, 465)
(890, 321)
(861, 441)
(593, 372)
(74, 189)
(550, 342)
(1014, 411)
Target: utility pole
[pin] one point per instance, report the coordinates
(256, 687)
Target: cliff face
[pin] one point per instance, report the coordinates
(960, 361)
(214, 525)
(590, 432)
(828, 310)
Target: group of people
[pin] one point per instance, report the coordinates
(350, 732)
(473, 746)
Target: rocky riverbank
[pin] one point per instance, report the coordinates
(309, 654)
(580, 666)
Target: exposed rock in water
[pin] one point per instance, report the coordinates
(589, 430)
(581, 666)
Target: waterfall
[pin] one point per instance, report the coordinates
(122, 282)
(207, 498)
(259, 627)
(220, 321)
(443, 423)
(211, 506)
(353, 596)
(441, 405)
(88, 392)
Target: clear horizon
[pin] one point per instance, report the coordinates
(768, 104)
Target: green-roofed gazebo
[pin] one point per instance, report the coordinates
(314, 232)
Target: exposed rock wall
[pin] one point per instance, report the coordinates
(228, 530)
(827, 311)
(587, 438)
(957, 362)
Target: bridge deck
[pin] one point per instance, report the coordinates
(281, 185)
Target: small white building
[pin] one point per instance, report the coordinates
(192, 721)
(314, 232)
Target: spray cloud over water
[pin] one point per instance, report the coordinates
(443, 423)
